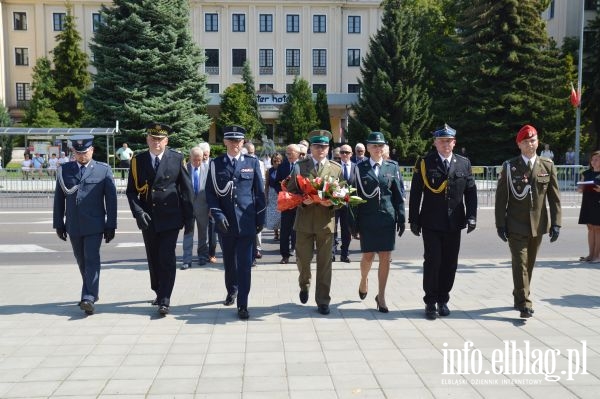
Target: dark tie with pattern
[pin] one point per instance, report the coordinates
(446, 165)
(156, 163)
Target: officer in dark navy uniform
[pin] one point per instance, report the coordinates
(160, 196)
(85, 209)
(443, 201)
(236, 200)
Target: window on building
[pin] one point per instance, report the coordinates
(213, 88)
(20, 20)
(353, 88)
(353, 57)
(319, 24)
(266, 22)
(23, 93)
(319, 62)
(211, 22)
(551, 10)
(211, 64)
(292, 62)
(265, 61)
(21, 56)
(318, 87)
(288, 87)
(265, 87)
(238, 57)
(590, 5)
(589, 36)
(96, 21)
(238, 22)
(58, 19)
(293, 23)
(353, 24)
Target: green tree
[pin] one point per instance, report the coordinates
(6, 141)
(322, 108)
(40, 111)
(255, 126)
(148, 69)
(237, 109)
(393, 94)
(591, 76)
(70, 73)
(508, 74)
(298, 116)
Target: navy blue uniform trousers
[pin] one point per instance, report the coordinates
(237, 259)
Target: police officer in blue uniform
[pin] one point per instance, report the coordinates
(160, 195)
(236, 200)
(85, 209)
(443, 201)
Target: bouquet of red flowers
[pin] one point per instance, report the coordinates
(318, 190)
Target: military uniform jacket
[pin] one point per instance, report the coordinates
(527, 216)
(90, 208)
(236, 194)
(314, 218)
(166, 195)
(387, 206)
(449, 209)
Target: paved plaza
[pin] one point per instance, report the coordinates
(50, 349)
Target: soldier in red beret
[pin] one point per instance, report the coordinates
(527, 182)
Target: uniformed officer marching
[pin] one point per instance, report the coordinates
(445, 184)
(85, 209)
(160, 196)
(527, 182)
(236, 200)
(315, 223)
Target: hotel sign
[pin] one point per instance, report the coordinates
(271, 99)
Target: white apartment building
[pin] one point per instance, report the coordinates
(563, 18)
(320, 41)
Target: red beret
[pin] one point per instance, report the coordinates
(526, 132)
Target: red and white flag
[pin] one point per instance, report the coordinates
(575, 97)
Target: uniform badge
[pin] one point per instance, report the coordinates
(247, 170)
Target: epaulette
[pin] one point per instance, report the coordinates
(335, 163)
(548, 160)
(102, 164)
(250, 156)
(392, 162)
(460, 156)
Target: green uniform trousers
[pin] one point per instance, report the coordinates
(305, 243)
(523, 250)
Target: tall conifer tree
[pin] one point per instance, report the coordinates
(40, 111)
(70, 73)
(508, 74)
(393, 97)
(255, 126)
(322, 108)
(237, 109)
(298, 116)
(148, 69)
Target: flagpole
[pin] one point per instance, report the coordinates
(579, 73)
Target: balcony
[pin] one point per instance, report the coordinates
(292, 70)
(237, 70)
(212, 70)
(319, 70)
(265, 70)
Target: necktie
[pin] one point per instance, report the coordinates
(317, 167)
(446, 165)
(346, 172)
(529, 165)
(81, 171)
(233, 162)
(376, 169)
(196, 184)
(156, 163)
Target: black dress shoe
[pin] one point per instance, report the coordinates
(258, 255)
(443, 309)
(430, 312)
(163, 310)
(243, 313)
(285, 260)
(303, 296)
(230, 299)
(381, 308)
(345, 259)
(323, 309)
(333, 258)
(186, 266)
(525, 312)
(87, 307)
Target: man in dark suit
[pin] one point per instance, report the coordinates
(445, 184)
(287, 235)
(198, 169)
(236, 199)
(342, 214)
(527, 183)
(160, 196)
(85, 193)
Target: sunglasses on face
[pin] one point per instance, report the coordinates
(345, 152)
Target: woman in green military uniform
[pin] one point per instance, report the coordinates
(378, 182)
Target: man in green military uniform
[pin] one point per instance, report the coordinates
(526, 183)
(315, 223)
